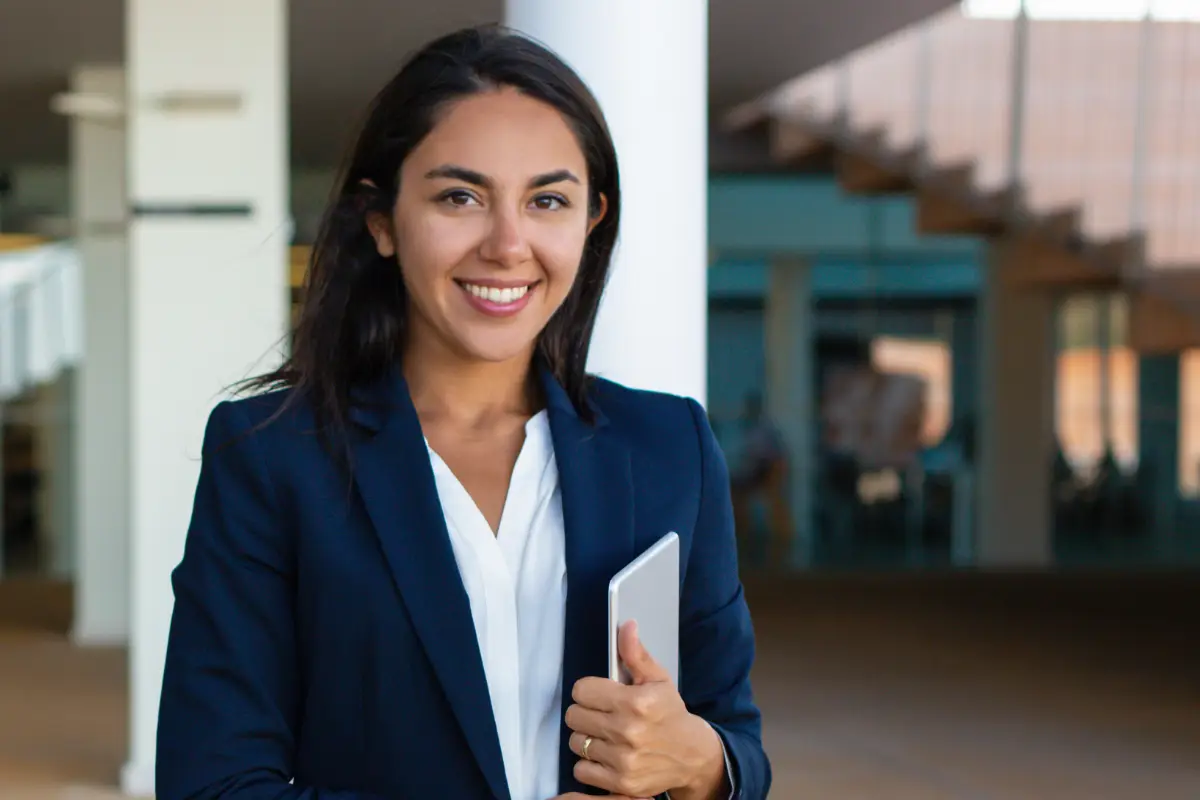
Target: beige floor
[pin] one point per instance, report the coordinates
(878, 689)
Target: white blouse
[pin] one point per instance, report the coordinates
(516, 580)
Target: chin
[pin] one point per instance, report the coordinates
(494, 351)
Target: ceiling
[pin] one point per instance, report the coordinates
(341, 51)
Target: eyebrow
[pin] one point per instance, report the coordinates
(474, 178)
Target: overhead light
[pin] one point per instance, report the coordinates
(85, 105)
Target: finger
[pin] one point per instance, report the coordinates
(637, 659)
(598, 775)
(602, 777)
(599, 694)
(578, 796)
(600, 750)
(588, 721)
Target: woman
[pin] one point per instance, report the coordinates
(394, 583)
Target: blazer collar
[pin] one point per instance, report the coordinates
(395, 480)
(392, 470)
(595, 475)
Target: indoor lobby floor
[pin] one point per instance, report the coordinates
(954, 688)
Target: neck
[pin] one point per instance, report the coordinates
(476, 394)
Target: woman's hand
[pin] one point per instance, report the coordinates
(643, 739)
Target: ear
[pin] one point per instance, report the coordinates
(382, 232)
(381, 228)
(599, 215)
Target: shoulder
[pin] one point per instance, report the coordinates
(263, 418)
(254, 410)
(654, 423)
(640, 409)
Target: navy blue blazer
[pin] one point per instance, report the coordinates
(321, 633)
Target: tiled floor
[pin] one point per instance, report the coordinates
(872, 689)
(62, 718)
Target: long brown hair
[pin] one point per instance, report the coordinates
(351, 328)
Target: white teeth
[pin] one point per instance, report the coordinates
(495, 295)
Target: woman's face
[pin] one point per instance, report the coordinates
(489, 225)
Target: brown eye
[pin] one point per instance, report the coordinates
(550, 202)
(459, 198)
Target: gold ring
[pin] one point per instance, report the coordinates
(587, 742)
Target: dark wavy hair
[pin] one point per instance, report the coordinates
(354, 314)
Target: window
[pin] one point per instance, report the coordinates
(928, 360)
(1189, 423)
(1177, 10)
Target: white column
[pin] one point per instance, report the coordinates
(208, 236)
(1016, 423)
(56, 401)
(791, 402)
(647, 63)
(101, 401)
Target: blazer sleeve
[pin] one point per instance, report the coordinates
(716, 638)
(230, 694)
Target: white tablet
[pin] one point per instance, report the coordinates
(647, 591)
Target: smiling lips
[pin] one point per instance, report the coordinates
(495, 300)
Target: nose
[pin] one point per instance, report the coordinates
(506, 243)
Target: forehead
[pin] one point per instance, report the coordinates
(499, 133)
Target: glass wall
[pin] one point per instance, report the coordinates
(884, 455)
(1189, 451)
(885, 410)
(736, 367)
(1124, 428)
(885, 401)
(894, 437)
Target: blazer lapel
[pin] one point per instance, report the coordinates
(395, 480)
(596, 481)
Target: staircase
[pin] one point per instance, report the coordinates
(1072, 204)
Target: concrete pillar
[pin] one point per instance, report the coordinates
(208, 237)
(1016, 431)
(1158, 439)
(647, 63)
(100, 405)
(57, 438)
(790, 398)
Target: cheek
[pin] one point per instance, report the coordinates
(560, 255)
(427, 251)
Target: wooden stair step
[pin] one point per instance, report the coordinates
(881, 171)
(1038, 263)
(948, 203)
(1071, 263)
(1164, 311)
(1049, 249)
(792, 143)
(1060, 224)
